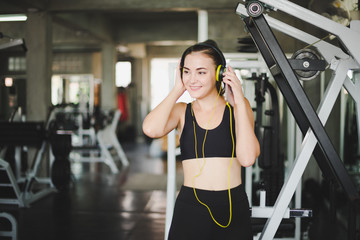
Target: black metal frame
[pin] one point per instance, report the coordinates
(270, 160)
(302, 110)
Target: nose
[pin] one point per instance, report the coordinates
(192, 78)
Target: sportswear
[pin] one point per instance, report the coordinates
(218, 140)
(191, 220)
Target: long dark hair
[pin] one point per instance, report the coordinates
(210, 48)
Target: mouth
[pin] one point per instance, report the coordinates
(195, 88)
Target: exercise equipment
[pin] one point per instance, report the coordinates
(12, 42)
(17, 134)
(9, 233)
(101, 151)
(23, 187)
(267, 132)
(247, 45)
(61, 169)
(307, 64)
(257, 178)
(351, 138)
(311, 123)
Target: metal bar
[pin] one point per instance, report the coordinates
(9, 233)
(289, 187)
(295, 108)
(305, 116)
(266, 212)
(328, 51)
(299, 103)
(171, 187)
(352, 220)
(12, 43)
(19, 197)
(346, 35)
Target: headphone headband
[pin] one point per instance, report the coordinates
(217, 50)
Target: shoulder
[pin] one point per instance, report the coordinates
(179, 110)
(180, 107)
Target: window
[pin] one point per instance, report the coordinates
(123, 74)
(16, 64)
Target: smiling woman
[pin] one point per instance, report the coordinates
(216, 140)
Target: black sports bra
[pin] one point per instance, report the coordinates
(218, 140)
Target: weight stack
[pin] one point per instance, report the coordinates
(61, 168)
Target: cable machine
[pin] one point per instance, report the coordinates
(310, 122)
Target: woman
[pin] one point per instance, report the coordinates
(216, 140)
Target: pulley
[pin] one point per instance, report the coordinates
(307, 64)
(254, 8)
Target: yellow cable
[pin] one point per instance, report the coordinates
(310, 45)
(204, 161)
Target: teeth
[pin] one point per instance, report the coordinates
(195, 88)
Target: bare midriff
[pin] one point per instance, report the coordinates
(214, 175)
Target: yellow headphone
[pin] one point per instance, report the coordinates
(219, 73)
(203, 154)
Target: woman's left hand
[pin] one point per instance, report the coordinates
(234, 93)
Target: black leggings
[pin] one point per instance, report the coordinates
(191, 220)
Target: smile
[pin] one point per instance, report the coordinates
(195, 88)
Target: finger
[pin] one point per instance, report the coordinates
(230, 74)
(230, 69)
(228, 82)
(227, 75)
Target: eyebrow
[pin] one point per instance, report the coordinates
(200, 68)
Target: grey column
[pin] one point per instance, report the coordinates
(108, 89)
(38, 40)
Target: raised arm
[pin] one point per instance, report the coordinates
(166, 116)
(247, 144)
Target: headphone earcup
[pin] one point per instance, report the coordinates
(219, 73)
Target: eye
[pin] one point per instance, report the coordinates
(202, 73)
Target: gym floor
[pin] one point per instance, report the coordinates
(98, 207)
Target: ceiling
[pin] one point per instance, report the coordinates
(124, 21)
(117, 20)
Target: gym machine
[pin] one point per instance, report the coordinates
(4, 166)
(270, 158)
(12, 233)
(263, 181)
(12, 42)
(310, 122)
(106, 142)
(22, 185)
(15, 137)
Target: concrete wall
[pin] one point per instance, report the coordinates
(225, 27)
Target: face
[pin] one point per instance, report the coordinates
(199, 75)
